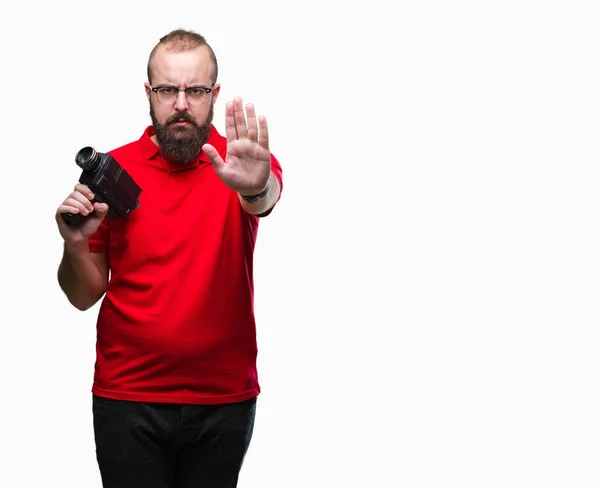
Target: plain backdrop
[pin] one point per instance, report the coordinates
(427, 288)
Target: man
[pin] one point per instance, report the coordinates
(175, 380)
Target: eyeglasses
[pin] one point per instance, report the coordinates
(195, 95)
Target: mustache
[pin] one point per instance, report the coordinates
(182, 117)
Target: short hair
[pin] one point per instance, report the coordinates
(180, 40)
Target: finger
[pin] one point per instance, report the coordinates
(84, 190)
(215, 157)
(67, 209)
(230, 130)
(263, 136)
(252, 123)
(80, 197)
(240, 118)
(80, 206)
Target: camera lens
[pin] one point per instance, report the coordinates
(87, 159)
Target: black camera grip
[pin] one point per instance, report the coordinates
(73, 220)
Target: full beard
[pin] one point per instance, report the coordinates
(181, 145)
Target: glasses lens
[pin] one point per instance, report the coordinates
(166, 94)
(195, 96)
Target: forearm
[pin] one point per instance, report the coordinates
(266, 202)
(80, 279)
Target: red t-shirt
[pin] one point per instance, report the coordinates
(177, 321)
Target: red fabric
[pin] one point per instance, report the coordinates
(177, 321)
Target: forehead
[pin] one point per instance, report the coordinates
(183, 67)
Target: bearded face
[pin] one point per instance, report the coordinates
(181, 138)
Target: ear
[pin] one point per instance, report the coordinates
(148, 89)
(215, 92)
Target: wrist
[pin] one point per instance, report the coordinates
(257, 196)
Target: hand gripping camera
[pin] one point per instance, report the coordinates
(109, 182)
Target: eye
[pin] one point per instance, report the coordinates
(167, 90)
(196, 91)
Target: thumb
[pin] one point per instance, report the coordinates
(215, 158)
(101, 209)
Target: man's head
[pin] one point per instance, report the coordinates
(182, 60)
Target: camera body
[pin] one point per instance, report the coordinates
(109, 182)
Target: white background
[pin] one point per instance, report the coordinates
(427, 288)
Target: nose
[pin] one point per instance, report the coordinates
(181, 103)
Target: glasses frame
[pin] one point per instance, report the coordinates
(208, 90)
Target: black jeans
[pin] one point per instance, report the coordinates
(157, 445)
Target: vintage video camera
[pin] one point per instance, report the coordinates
(109, 182)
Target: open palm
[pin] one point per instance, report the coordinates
(247, 165)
